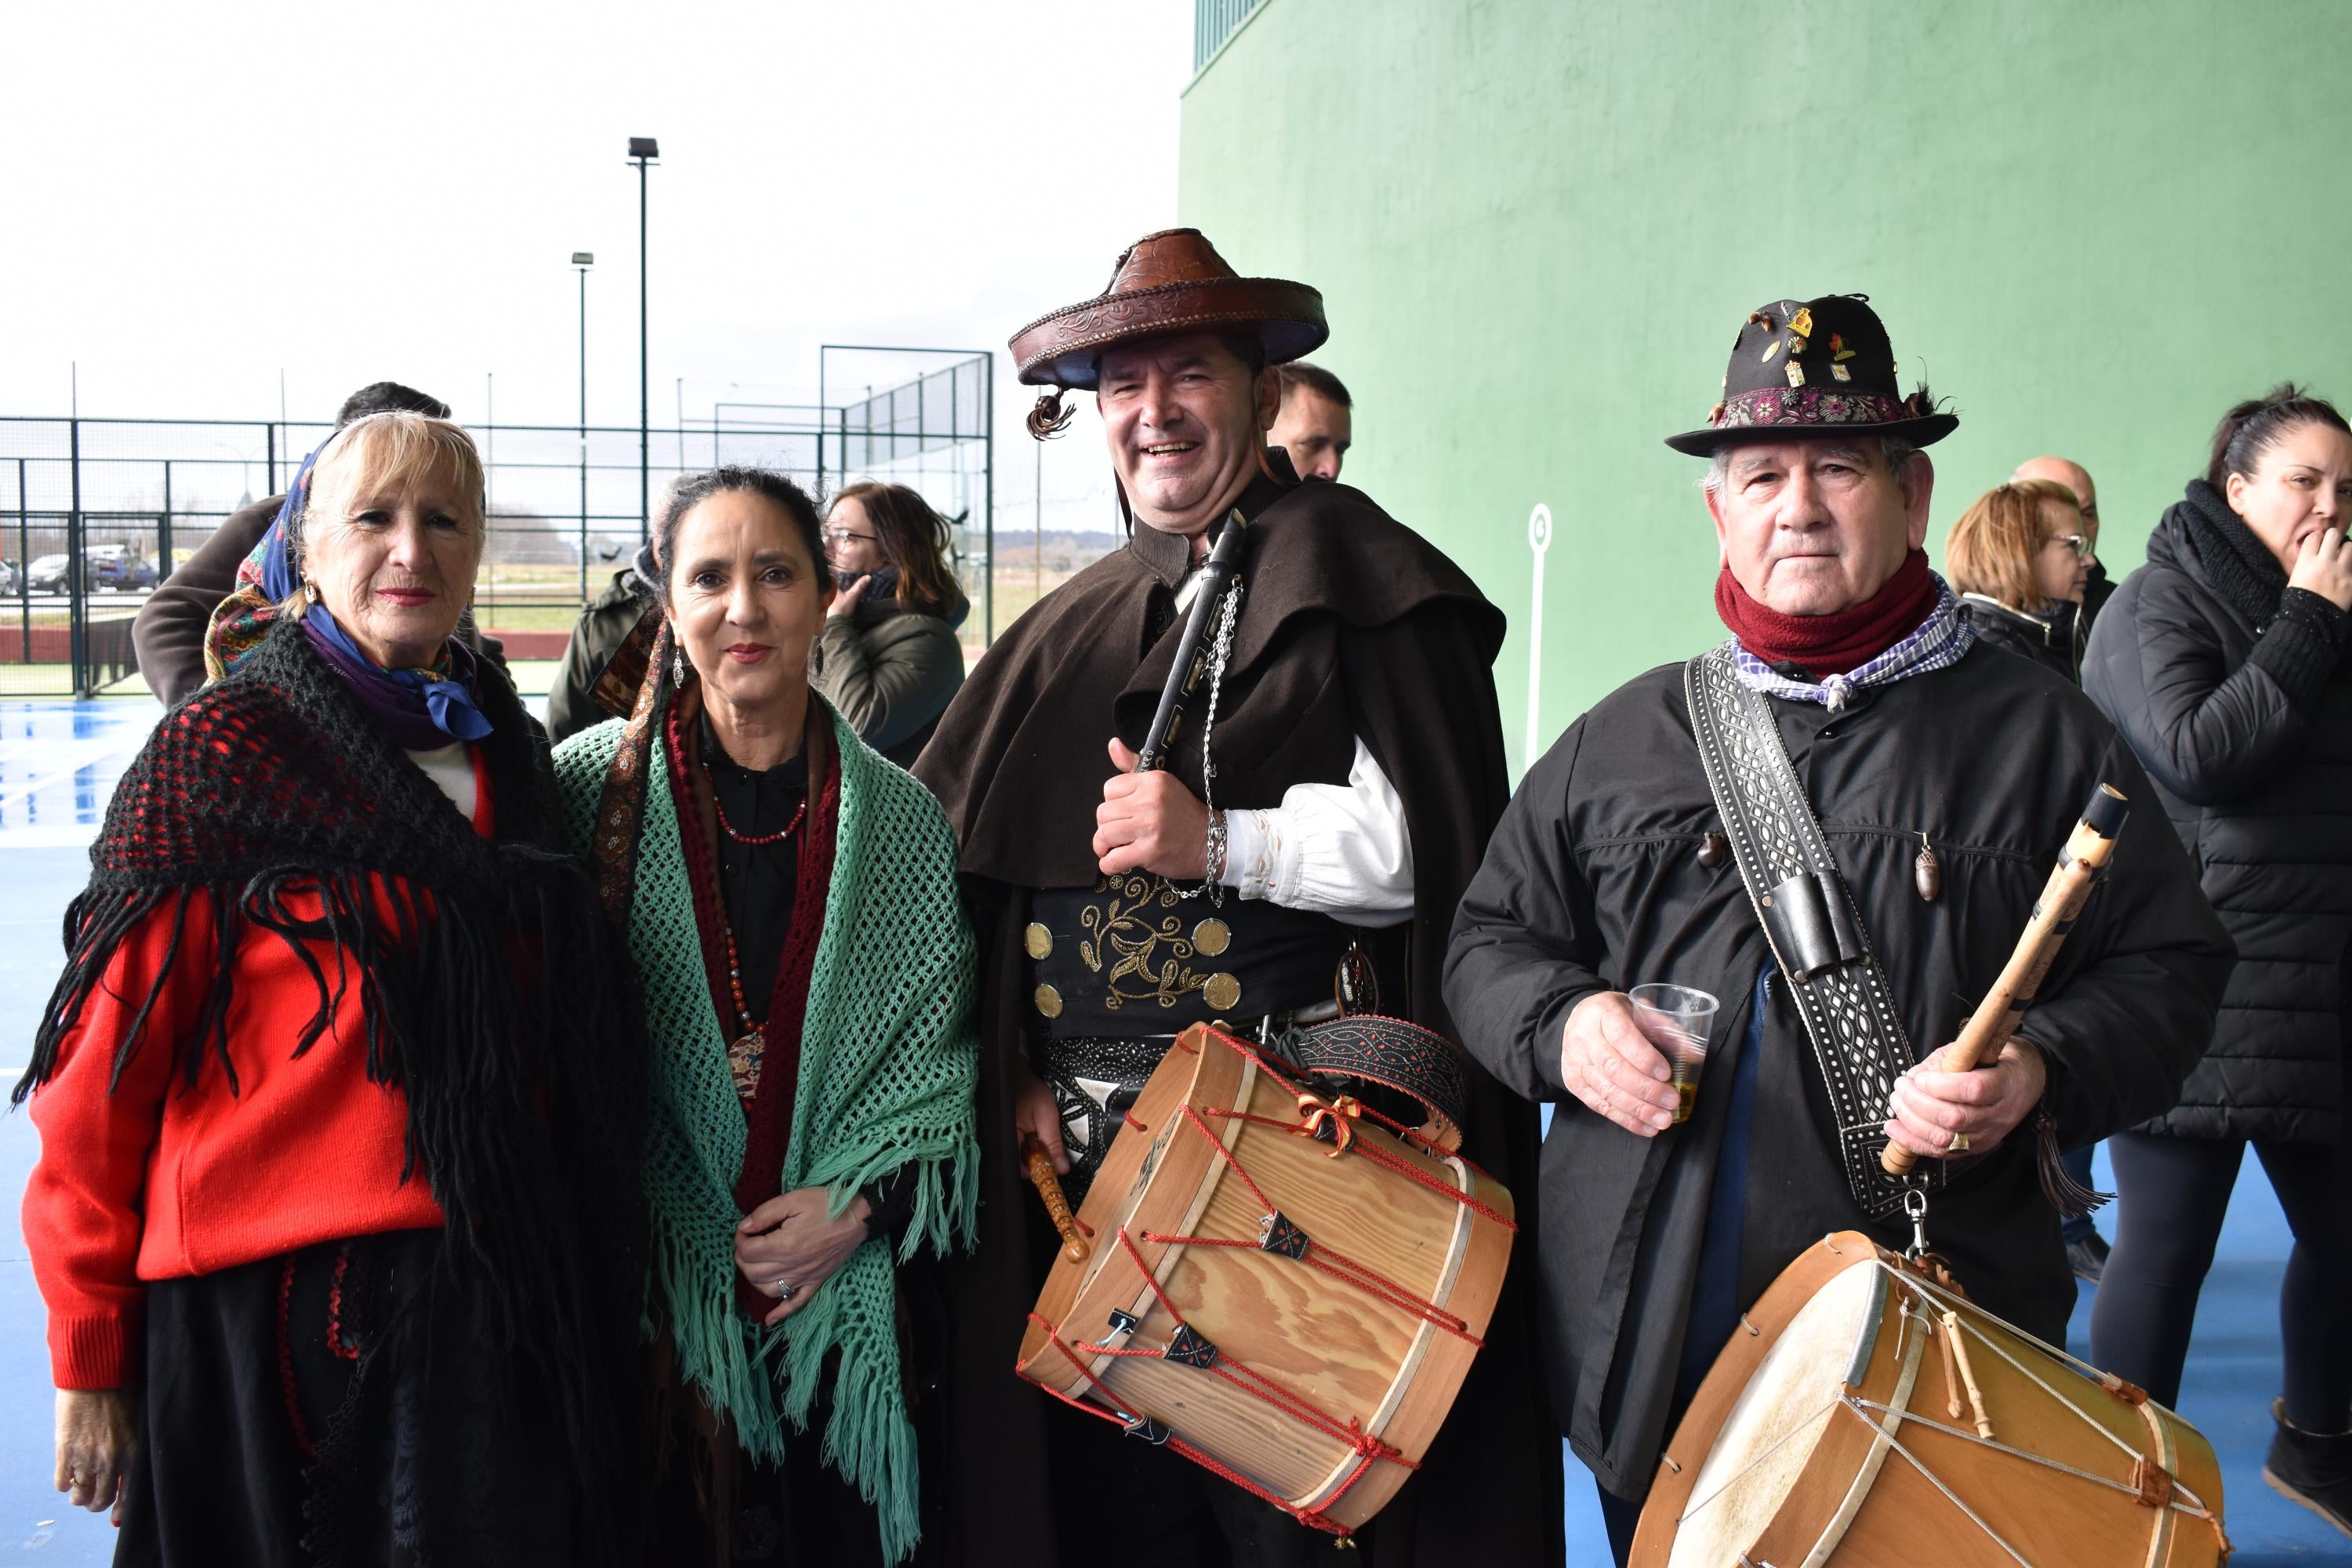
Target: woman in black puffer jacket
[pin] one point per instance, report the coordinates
(2223, 662)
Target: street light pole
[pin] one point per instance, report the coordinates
(584, 260)
(644, 150)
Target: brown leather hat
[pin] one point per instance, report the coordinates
(1173, 281)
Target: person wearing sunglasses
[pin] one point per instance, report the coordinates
(2020, 556)
(888, 658)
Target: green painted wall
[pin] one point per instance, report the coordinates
(1537, 225)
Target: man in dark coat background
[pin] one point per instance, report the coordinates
(1359, 768)
(1611, 869)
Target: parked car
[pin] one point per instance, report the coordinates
(103, 566)
(47, 574)
(117, 566)
(10, 578)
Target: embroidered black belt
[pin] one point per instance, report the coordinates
(1129, 957)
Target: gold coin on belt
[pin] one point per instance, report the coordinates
(1221, 992)
(1049, 1001)
(1039, 941)
(1211, 937)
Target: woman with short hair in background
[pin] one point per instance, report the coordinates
(2223, 662)
(2020, 557)
(888, 658)
(337, 1217)
(791, 901)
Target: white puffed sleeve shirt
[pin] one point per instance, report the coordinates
(1336, 850)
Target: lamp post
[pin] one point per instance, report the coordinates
(584, 260)
(644, 150)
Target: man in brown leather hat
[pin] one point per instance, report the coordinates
(1358, 766)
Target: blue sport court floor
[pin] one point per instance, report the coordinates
(58, 762)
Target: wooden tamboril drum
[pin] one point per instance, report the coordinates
(1279, 1287)
(1866, 1413)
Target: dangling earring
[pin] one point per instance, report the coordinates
(677, 666)
(310, 592)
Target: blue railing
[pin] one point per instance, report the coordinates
(1213, 22)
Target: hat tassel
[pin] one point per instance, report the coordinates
(1051, 416)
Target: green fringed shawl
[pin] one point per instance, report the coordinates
(888, 1064)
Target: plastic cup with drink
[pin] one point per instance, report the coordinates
(1677, 1020)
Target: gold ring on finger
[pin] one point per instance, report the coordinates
(1958, 1145)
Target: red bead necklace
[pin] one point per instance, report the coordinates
(728, 828)
(744, 1052)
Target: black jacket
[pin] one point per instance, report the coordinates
(2050, 641)
(2233, 690)
(1594, 882)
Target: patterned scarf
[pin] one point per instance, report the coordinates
(887, 1069)
(1940, 640)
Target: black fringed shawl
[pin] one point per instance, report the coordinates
(497, 998)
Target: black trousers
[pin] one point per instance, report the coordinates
(2174, 1193)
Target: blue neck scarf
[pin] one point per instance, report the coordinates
(422, 710)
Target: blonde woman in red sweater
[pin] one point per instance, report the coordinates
(337, 1094)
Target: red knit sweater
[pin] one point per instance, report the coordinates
(156, 1182)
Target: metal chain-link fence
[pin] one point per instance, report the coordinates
(95, 513)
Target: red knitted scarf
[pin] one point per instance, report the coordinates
(1833, 644)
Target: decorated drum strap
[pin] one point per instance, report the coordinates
(1396, 1054)
(1810, 920)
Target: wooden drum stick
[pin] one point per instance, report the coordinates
(1049, 1187)
(1995, 1020)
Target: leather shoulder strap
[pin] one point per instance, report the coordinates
(1809, 916)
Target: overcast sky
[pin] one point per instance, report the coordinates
(197, 197)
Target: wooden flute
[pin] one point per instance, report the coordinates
(1996, 1017)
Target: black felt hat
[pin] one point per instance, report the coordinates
(1816, 366)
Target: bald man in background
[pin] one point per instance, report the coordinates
(2086, 1249)
(2076, 478)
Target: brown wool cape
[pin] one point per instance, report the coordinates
(1351, 625)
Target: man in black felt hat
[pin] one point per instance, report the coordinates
(1943, 780)
(1350, 713)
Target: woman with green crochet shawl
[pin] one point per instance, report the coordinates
(790, 898)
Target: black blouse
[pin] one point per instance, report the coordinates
(757, 882)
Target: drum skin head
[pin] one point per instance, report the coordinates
(1845, 1423)
(1775, 1424)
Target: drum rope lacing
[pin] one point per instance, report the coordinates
(1201, 1354)
(1935, 1297)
